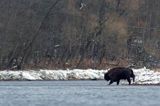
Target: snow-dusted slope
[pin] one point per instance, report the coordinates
(143, 75)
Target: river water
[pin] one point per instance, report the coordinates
(76, 93)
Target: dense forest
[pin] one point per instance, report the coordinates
(60, 34)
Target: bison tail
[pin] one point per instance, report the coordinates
(132, 75)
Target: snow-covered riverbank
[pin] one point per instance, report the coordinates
(143, 75)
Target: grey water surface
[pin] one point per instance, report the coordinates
(76, 93)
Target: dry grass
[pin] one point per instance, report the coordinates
(156, 69)
(73, 63)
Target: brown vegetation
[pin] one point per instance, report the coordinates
(79, 33)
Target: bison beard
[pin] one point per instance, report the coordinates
(116, 74)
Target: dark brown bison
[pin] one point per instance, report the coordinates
(118, 73)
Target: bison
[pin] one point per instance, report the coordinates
(118, 73)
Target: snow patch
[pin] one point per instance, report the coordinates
(143, 75)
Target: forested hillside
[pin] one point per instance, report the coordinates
(57, 34)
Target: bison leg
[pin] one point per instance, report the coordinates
(118, 82)
(110, 82)
(129, 80)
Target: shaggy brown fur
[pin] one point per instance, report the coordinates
(118, 73)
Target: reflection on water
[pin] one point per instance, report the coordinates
(76, 93)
